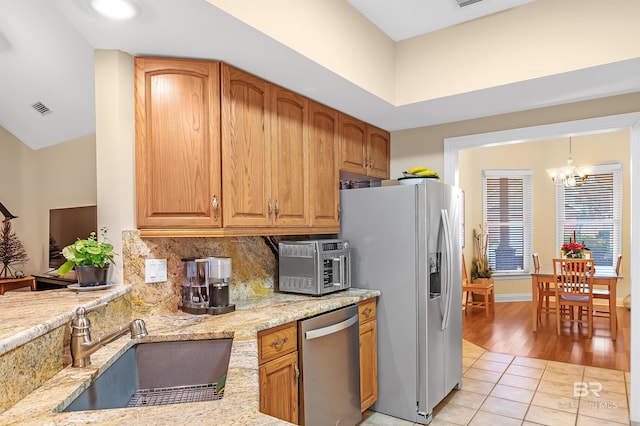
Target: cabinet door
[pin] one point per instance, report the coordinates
(290, 158)
(177, 113)
(279, 388)
(324, 166)
(378, 147)
(368, 364)
(353, 145)
(246, 154)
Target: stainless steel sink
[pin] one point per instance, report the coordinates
(158, 373)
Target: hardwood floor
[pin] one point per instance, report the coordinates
(508, 330)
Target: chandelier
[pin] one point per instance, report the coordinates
(569, 175)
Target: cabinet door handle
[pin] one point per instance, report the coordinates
(366, 312)
(269, 207)
(277, 209)
(279, 342)
(214, 204)
(297, 370)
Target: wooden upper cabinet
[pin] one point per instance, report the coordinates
(324, 165)
(246, 150)
(177, 113)
(378, 152)
(364, 149)
(289, 158)
(353, 145)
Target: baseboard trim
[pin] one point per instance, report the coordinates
(513, 297)
(526, 297)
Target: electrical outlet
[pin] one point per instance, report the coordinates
(155, 270)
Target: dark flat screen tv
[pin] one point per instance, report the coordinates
(66, 226)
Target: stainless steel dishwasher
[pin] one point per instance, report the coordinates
(330, 368)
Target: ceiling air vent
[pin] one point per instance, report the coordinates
(41, 108)
(463, 3)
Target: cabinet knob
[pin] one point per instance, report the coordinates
(214, 204)
(277, 209)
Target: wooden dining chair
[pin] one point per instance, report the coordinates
(604, 293)
(486, 289)
(545, 293)
(574, 285)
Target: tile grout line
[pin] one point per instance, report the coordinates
(536, 390)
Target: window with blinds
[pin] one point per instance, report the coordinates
(593, 213)
(507, 216)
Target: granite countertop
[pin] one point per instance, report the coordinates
(240, 404)
(25, 315)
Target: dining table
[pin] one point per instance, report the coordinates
(545, 276)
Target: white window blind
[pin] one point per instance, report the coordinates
(593, 212)
(508, 220)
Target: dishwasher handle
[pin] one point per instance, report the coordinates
(320, 332)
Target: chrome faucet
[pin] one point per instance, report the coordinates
(81, 344)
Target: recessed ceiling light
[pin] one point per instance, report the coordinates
(115, 9)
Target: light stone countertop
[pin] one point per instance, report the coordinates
(25, 315)
(240, 404)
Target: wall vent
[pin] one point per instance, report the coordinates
(463, 3)
(41, 108)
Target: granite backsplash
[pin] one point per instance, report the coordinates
(254, 263)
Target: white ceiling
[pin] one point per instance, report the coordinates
(46, 55)
(403, 19)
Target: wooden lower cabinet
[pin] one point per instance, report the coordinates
(279, 388)
(368, 354)
(279, 372)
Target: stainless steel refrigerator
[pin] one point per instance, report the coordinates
(405, 241)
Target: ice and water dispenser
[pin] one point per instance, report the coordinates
(205, 286)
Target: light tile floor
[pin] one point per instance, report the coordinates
(499, 389)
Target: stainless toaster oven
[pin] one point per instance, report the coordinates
(314, 267)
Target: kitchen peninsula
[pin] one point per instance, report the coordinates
(240, 404)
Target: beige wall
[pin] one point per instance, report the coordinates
(13, 193)
(329, 32)
(539, 156)
(115, 147)
(541, 38)
(33, 182)
(424, 146)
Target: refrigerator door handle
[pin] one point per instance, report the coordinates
(448, 267)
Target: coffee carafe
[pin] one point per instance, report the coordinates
(195, 286)
(219, 275)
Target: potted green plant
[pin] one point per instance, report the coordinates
(91, 259)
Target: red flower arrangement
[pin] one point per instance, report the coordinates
(572, 249)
